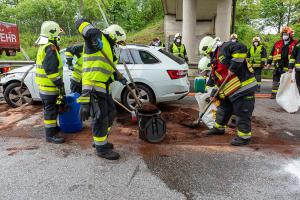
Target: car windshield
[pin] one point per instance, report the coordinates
(175, 58)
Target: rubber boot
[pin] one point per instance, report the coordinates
(214, 131)
(238, 141)
(104, 151)
(56, 139)
(273, 96)
(109, 145)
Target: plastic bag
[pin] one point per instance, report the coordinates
(288, 96)
(210, 116)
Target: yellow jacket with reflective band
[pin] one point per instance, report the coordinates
(255, 56)
(178, 51)
(43, 80)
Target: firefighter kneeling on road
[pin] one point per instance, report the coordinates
(70, 52)
(237, 95)
(49, 78)
(97, 75)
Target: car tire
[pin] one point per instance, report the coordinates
(147, 96)
(13, 97)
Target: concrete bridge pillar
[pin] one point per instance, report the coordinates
(223, 19)
(189, 27)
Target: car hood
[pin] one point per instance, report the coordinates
(20, 69)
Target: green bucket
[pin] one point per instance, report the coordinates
(200, 84)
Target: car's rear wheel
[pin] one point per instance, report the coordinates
(16, 96)
(144, 93)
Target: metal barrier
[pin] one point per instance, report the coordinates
(15, 63)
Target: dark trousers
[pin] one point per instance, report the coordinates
(257, 74)
(298, 79)
(276, 79)
(101, 122)
(242, 107)
(50, 114)
(76, 87)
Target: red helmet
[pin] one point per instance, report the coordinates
(287, 29)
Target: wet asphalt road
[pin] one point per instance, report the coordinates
(33, 169)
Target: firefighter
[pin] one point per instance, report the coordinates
(97, 74)
(178, 49)
(280, 55)
(233, 37)
(237, 95)
(295, 63)
(49, 78)
(257, 57)
(157, 42)
(70, 52)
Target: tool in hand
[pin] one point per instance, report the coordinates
(133, 114)
(131, 79)
(137, 100)
(196, 123)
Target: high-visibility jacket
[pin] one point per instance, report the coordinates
(257, 55)
(46, 81)
(232, 56)
(178, 50)
(77, 72)
(295, 58)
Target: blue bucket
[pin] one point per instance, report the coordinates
(69, 121)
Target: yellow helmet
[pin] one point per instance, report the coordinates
(116, 32)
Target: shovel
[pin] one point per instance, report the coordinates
(133, 114)
(196, 123)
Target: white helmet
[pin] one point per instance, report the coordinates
(116, 32)
(177, 35)
(204, 64)
(256, 39)
(49, 31)
(208, 44)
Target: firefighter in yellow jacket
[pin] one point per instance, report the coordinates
(97, 74)
(257, 58)
(49, 78)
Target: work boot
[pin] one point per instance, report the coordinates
(214, 131)
(55, 139)
(104, 151)
(109, 145)
(273, 96)
(238, 141)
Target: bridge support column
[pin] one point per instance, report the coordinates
(223, 19)
(189, 27)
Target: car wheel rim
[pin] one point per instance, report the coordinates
(19, 97)
(142, 95)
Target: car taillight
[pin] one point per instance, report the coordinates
(176, 74)
(5, 69)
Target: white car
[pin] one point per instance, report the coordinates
(159, 76)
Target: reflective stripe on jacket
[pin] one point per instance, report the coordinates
(45, 81)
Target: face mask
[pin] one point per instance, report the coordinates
(255, 44)
(233, 40)
(178, 40)
(285, 37)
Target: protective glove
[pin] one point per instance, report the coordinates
(119, 77)
(84, 112)
(71, 67)
(213, 92)
(97, 43)
(123, 81)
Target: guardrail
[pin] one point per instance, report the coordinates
(16, 63)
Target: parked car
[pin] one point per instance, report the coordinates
(159, 76)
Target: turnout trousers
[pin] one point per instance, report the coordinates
(103, 112)
(276, 79)
(50, 114)
(242, 108)
(257, 74)
(75, 86)
(298, 79)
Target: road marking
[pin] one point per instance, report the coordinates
(289, 133)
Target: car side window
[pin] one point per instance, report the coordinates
(124, 55)
(143, 57)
